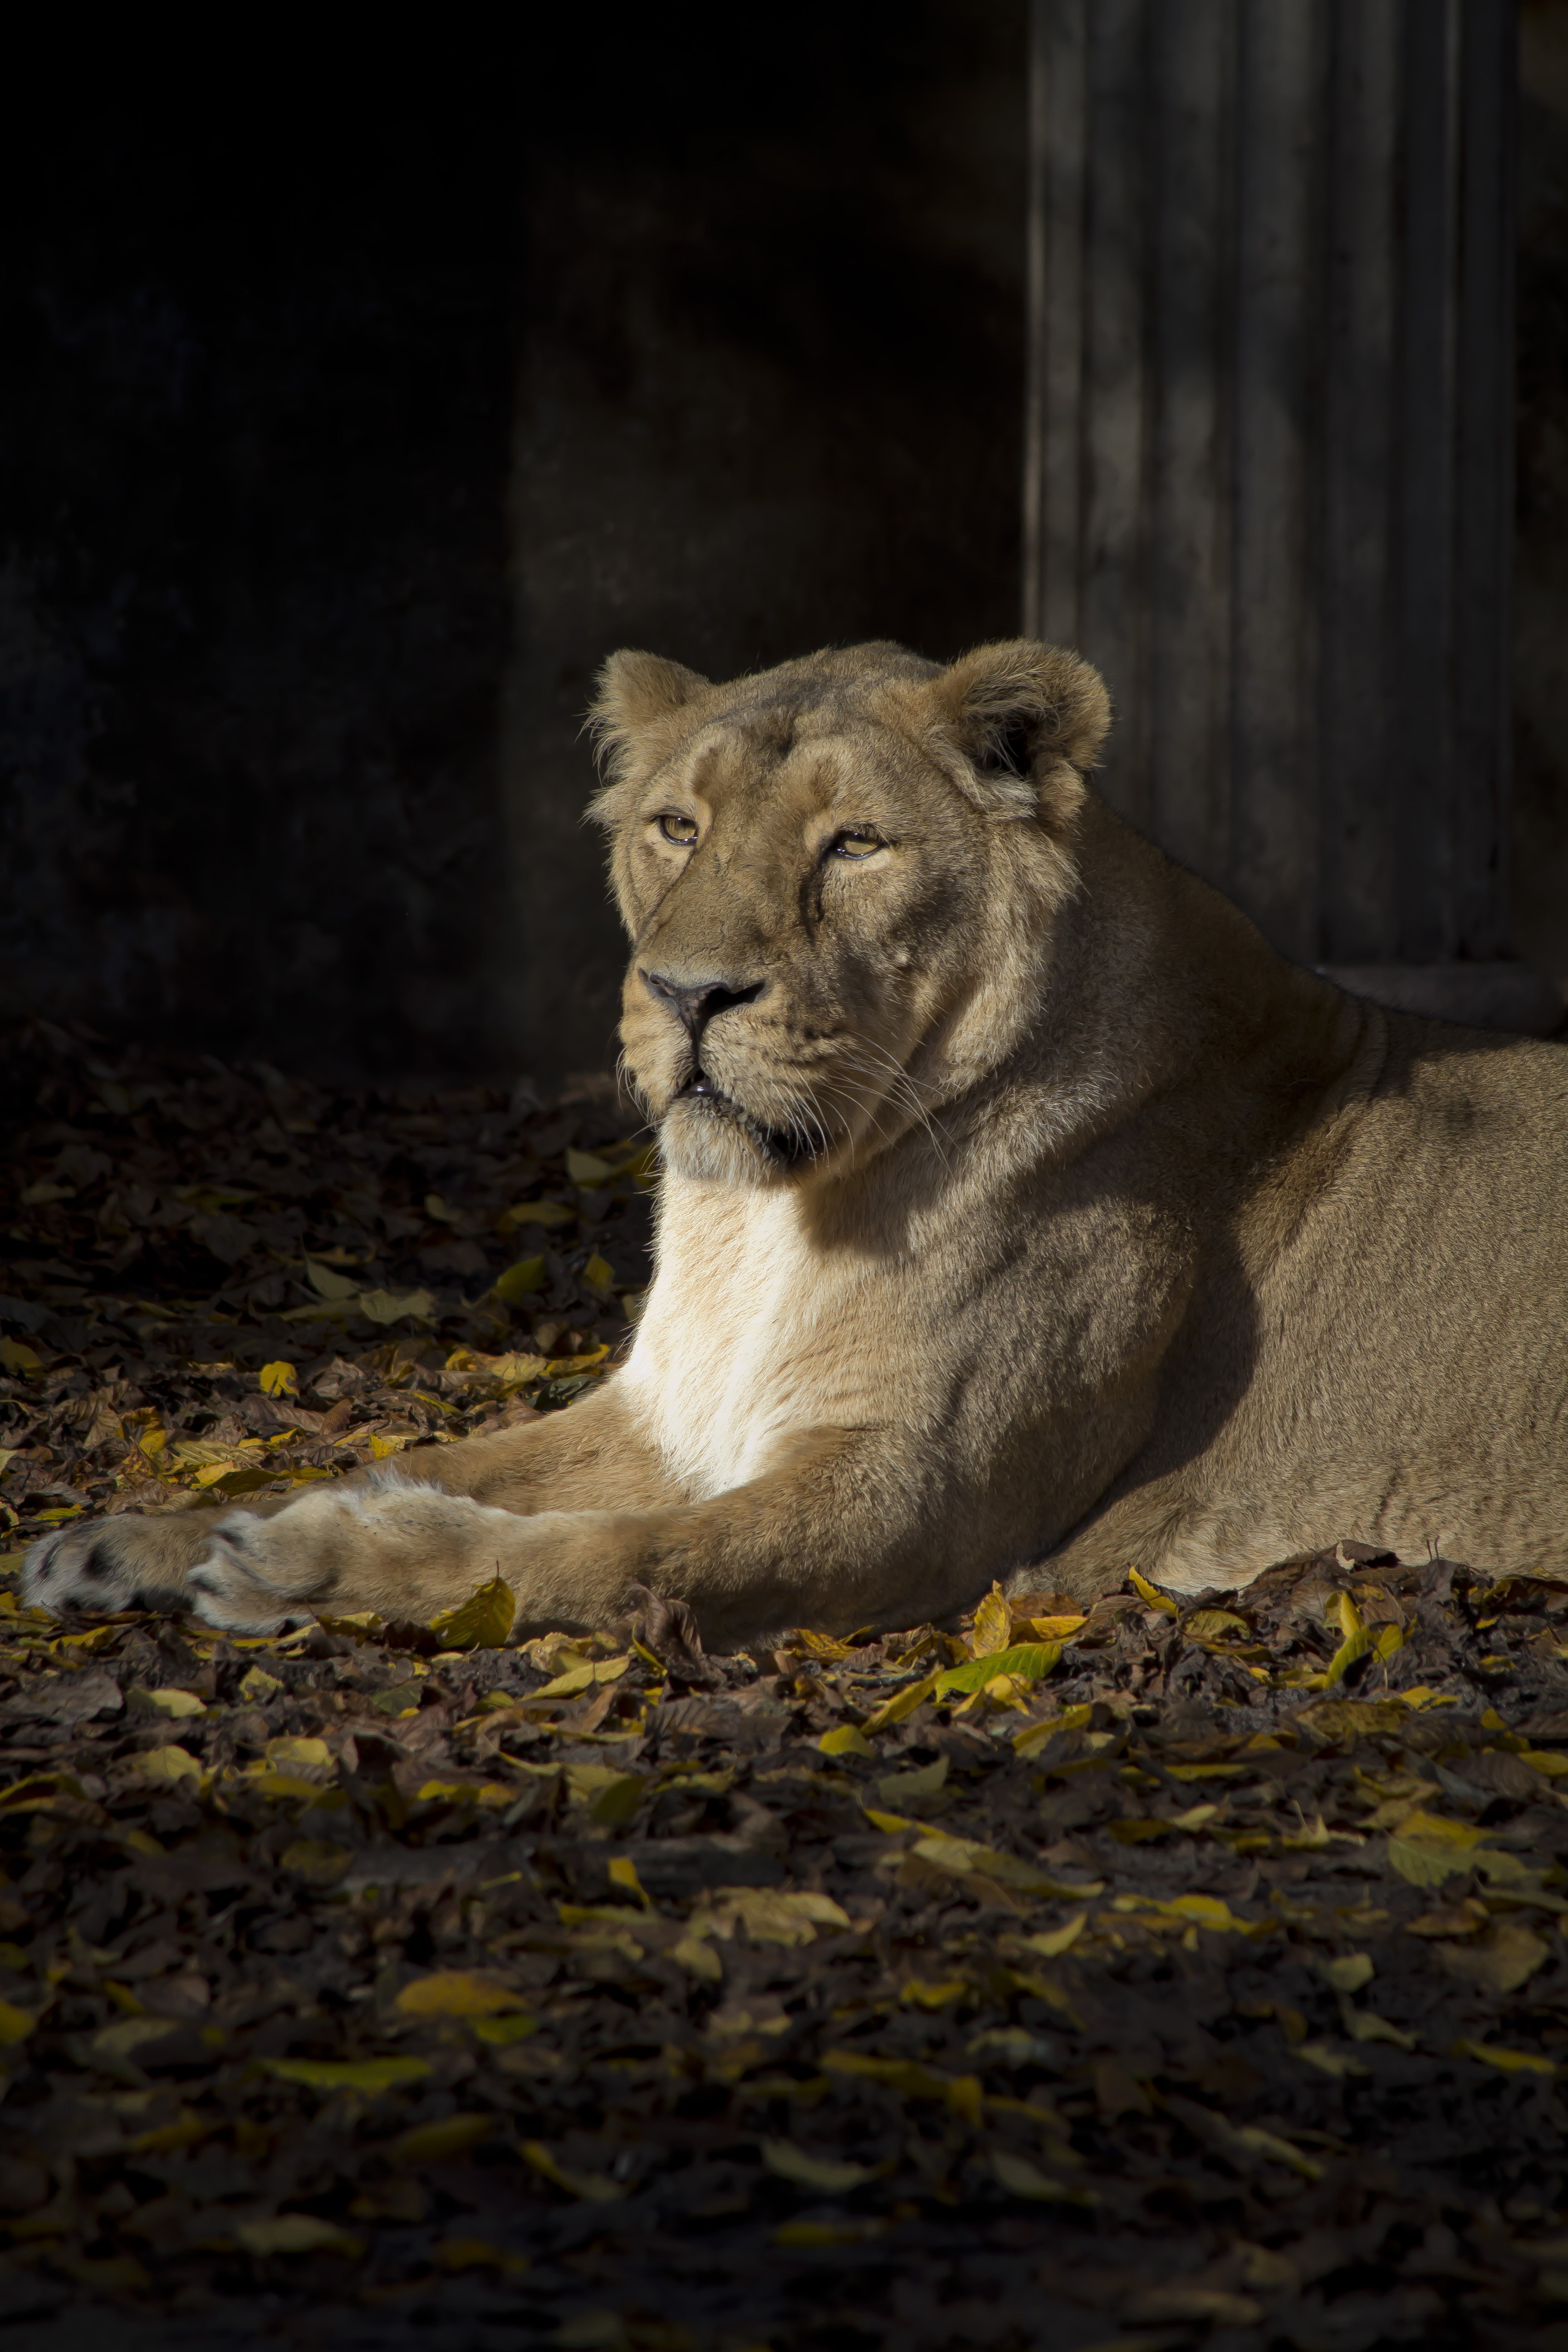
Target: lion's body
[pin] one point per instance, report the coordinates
(1024, 1215)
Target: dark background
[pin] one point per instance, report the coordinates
(350, 417)
(354, 406)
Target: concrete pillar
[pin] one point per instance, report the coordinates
(1268, 457)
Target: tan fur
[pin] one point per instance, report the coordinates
(1037, 1221)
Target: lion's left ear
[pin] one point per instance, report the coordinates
(1028, 721)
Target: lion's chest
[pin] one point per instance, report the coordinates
(745, 1338)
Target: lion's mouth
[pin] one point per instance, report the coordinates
(782, 1148)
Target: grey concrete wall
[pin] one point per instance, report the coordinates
(254, 434)
(1541, 556)
(1271, 426)
(721, 337)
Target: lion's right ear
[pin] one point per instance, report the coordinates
(638, 696)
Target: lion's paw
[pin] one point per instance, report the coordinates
(402, 1550)
(106, 1565)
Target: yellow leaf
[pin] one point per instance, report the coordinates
(458, 1992)
(1151, 1595)
(823, 1646)
(622, 1870)
(297, 2233)
(964, 2094)
(582, 1677)
(1022, 2179)
(993, 1624)
(1205, 1911)
(1281, 2151)
(1038, 1735)
(598, 1277)
(1363, 2026)
(1350, 1719)
(477, 2254)
(256, 1685)
(1057, 1939)
(1213, 1624)
(769, 1915)
(328, 1284)
(176, 1704)
(15, 2024)
(284, 1788)
(318, 1861)
(1347, 1975)
(280, 1379)
(120, 2040)
(587, 1167)
(847, 1741)
(538, 1213)
(291, 1754)
(1508, 2062)
(1354, 1645)
(615, 1804)
(964, 1858)
(17, 1357)
(451, 2136)
(921, 1994)
(169, 1763)
(372, 2076)
(1439, 1831)
(482, 1623)
(1501, 1961)
(699, 1960)
(493, 1794)
(903, 1702)
(500, 2032)
(1053, 1629)
(831, 2175)
(167, 2139)
(398, 1306)
(521, 1280)
(1336, 2063)
(591, 2186)
(899, 1789)
(1030, 1661)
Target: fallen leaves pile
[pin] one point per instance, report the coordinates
(1185, 1973)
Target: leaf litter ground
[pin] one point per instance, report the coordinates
(1179, 1975)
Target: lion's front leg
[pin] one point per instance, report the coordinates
(839, 1534)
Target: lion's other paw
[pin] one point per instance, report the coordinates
(106, 1565)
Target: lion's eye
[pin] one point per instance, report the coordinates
(857, 843)
(681, 830)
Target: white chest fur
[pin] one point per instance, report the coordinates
(733, 1351)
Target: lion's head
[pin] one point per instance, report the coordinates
(840, 878)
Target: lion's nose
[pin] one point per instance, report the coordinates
(695, 1003)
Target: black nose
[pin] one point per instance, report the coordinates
(695, 1003)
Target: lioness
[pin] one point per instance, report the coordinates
(1020, 1205)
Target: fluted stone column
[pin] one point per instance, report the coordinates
(1268, 455)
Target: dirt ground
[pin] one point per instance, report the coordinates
(1169, 1978)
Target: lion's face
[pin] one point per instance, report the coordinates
(836, 876)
